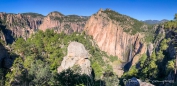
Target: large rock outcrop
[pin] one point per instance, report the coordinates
(25, 24)
(111, 37)
(20, 25)
(59, 23)
(76, 56)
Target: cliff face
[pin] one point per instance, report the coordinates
(111, 37)
(59, 23)
(20, 25)
(23, 25)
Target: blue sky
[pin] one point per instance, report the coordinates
(139, 9)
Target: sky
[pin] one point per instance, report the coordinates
(138, 9)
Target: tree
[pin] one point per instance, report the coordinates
(39, 73)
(175, 16)
(142, 60)
(153, 56)
(170, 65)
(152, 69)
(131, 73)
(18, 75)
(70, 78)
(2, 78)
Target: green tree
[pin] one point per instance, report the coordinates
(18, 75)
(133, 71)
(39, 73)
(153, 56)
(2, 78)
(175, 16)
(170, 65)
(142, 60)
(152, 69)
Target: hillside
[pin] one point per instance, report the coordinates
(155, 21)
(116, 34)
(104, 49)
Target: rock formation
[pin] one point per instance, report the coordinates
(111, 37)
(136, 82)
(20, 25)
(59, 22)
(76, 56)
(150, 49)
(23, 25)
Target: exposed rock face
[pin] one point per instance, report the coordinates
(150, 49)
(139, 55)
(160, 35)
(111, 38)
(77, 55)
(59, 22)
(2, 37)
(23, 25)
(20, 25)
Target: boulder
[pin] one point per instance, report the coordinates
(150, 49)
(77, 55)
(136, 82)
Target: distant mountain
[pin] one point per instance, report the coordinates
(155, 21)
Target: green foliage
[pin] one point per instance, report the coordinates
(171, 24)
(163, 44)
(2, 78)
(34, 15)
(149, 38)
(39, 73)
(42, 53)
(70, 18)
(175, 16)
(18, 75)
(113, 58)
(69, 78)
(153, 69)
(97, 69)
(170, 65)
(129, 24)
(153, 56)
(133, 71)
(142, 60)
(160, 56)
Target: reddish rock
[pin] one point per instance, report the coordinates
(20, 25)
(110, 37)
(59, 23)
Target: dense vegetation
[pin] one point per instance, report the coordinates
(129, 24)
(34, 15)
(160, 64)
(41, 55)
(155, 67)
(70, 18)
(171, 24)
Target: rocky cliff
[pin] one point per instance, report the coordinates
(77, 56)
(20, 25)
(23, 25)
(59, 22)
(113, 37)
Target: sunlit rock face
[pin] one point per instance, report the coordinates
(77, 55)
